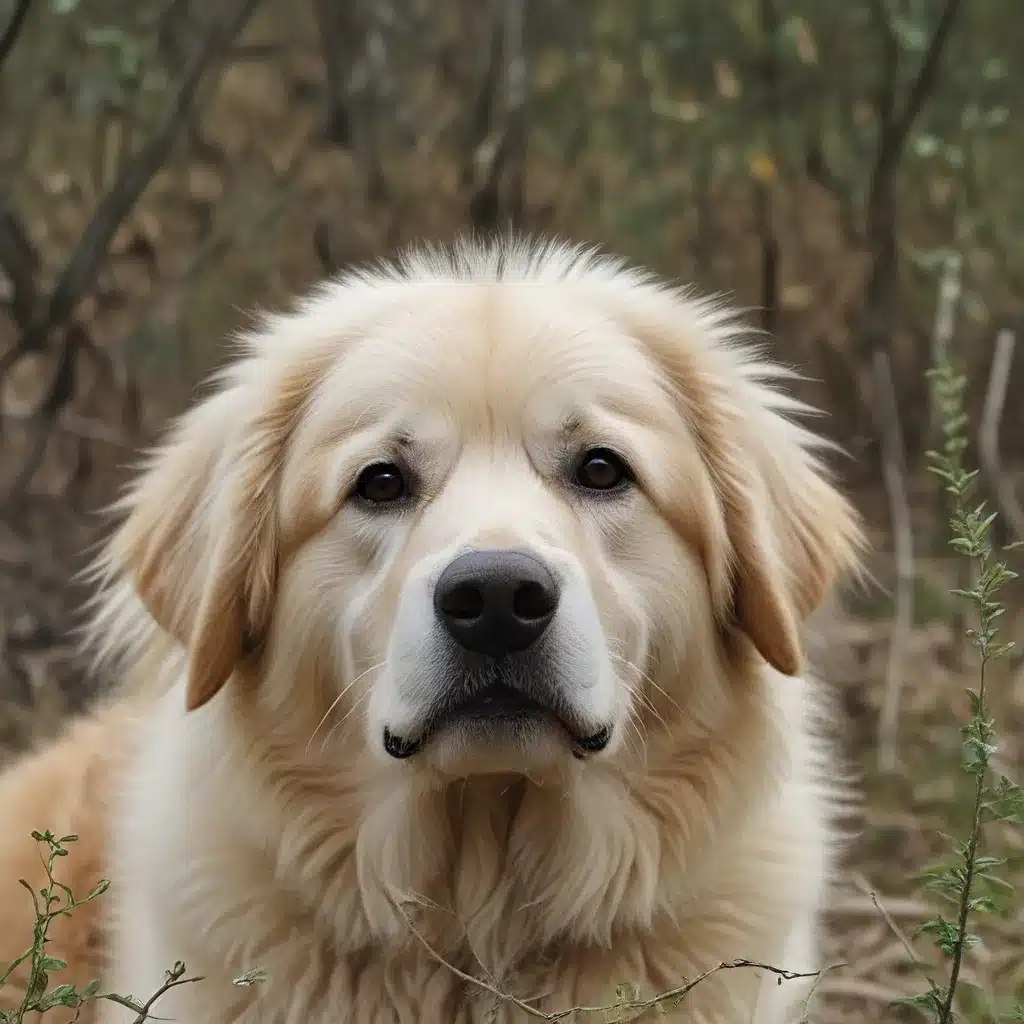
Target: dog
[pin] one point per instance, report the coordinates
(460, 631)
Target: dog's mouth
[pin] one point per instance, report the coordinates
(496, 704)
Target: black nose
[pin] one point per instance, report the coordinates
(496, 602)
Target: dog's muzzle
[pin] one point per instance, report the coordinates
(496, 606)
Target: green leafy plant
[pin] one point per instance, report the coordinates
(53, 900)
(969, 881)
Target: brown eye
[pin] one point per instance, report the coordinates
(381, 483)
(602, 470)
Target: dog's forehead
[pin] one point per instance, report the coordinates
(480, 354)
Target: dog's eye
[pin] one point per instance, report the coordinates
(381, 483)
(602, 470)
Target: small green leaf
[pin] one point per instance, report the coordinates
(62, 995)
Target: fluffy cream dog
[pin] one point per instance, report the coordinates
(465, 613)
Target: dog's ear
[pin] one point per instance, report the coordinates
(781, 533)
(789, 532)
(199, 542)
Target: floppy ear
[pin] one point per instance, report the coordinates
(199, 543)
(782, 533)
(790, 533)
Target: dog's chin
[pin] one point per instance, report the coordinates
(528, 743)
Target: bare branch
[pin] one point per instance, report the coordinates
(80, 271)
(19, 264)
(988, 439)
(58, 393)
(175, 978)
(820, 172)
(13, 29)
(885, 101)
(880, 308)
(896, 125)
(926, 75)
(894, 475)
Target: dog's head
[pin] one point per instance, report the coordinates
(498, 505)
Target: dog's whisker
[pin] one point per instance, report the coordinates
(640, 731)
(645, 701)
(647, 679)
(337, 700)
(363, 698)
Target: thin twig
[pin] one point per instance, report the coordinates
(175, 978)
(988, 436)
(894, 475)
(674, 995)
(926, 77)
(891, 924)
(806, 1002)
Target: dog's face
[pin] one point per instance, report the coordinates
(484, 548)
(507, 523)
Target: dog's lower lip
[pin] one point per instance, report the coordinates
(398, 747)
(597, 742)
(496, 701)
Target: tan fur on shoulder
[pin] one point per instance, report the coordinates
(63, 789)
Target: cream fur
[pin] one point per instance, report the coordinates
(266, 829)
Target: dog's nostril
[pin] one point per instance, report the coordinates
(464, 602)
(496, 602)
(533, 601)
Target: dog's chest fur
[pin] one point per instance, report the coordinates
(554, 894)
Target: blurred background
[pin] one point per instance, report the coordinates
(849, 172)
